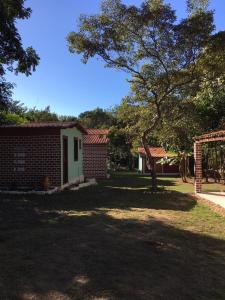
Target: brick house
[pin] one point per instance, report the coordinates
(32, 151)
(157, 153)
(95, 153)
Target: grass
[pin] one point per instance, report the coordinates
(111, 241)
(173, 183)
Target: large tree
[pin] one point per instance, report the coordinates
(13, 56)
(159, 53)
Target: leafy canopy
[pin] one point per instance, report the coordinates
(196, 6)
(96, 118)
(13, 56)
(159, 53)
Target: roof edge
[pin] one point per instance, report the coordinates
(42, 125)
(210, 136)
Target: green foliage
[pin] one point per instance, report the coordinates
(159, 53)
(210, 94)
(13, 57)
(12, 53)
(97, 118)
(180, 125)
(119, 150)
(147, 42)
(5, 93)
(210, 103)
(119, 146)
(212, 63)
(16, 113)
(196, 6)
(67, 118)
(9, 118)
(41, 115)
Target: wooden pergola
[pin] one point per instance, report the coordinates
(205, 138)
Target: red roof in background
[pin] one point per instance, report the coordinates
(96, 136)
(51, 124)
(95, 131)
(156, 152)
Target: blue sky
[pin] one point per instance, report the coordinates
(61, 80)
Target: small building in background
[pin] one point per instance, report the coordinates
(95, 144)
(33, 152)
(161, 169)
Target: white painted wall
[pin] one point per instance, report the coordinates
(140, 164)
(75, 168)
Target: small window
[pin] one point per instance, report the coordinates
(80, 144)
(75, 149)
(19, 158)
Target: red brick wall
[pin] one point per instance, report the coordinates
(95, 161)
(42, 158)
(198, 167)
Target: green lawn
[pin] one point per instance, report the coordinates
(111, 241)
(173, 184)
(176, 184)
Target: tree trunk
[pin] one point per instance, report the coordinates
(182, 167)
(154, 177)
(151, 163)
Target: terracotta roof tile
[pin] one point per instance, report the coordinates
(97, 131)
(156, 152)
(96, 136)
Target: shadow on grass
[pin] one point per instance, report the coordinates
(121, 192)
(99, 257)
(33, 209)
(128, 179)
(67, 246)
